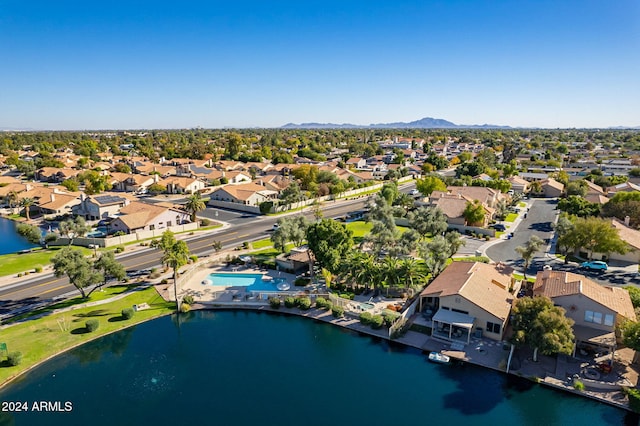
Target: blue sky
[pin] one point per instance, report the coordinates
(154, 64)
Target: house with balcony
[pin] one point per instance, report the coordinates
(596, 309)
(469, 298)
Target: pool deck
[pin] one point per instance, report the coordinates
(558, 372)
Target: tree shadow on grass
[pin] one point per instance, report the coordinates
(96, 313)
(117, 319)
(80, 330)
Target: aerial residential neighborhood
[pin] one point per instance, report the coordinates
(247, 212)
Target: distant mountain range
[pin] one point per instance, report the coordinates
(423, 123)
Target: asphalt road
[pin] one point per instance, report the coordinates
(539, 222)
(541, 216)
(244, 227)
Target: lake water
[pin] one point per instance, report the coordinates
(11, 241)
(249, 368)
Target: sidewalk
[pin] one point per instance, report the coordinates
(8, 281)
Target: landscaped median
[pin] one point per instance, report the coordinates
(57, 331)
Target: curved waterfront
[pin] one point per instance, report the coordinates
(246, 368)
(11, 241)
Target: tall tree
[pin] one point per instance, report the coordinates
(563, 227)
(330, 241)
(541, 325)
(428, 221)
(175, 254)
(528, 251)
(428, 184)
(291, 194)
(292, 228)
(26, 203)
(78, 268)
(595, 235)
(72, 228)
(194, 204)
(474, 213)
(455, 242)
(435, 254)
(109, 267)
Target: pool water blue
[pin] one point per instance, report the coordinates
(253, 282)
(246, 368)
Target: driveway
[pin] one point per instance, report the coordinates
(539, 222)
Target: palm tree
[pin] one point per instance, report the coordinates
(175, 255)
(528, 251)
(194, 204)
(27, 202)
(411, 272)
(12, 199)
(390, 272)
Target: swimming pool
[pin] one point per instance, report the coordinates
(252, 282)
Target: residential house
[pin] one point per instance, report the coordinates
(518, 184)
(58, 203)
(488, 196)
(623, 187)
(182, 185)
(96, 207)
(131, 182)
(55, 174)
(151, 168)
(469, 298)
(138, 216)
(356, 162)
(234, 176)
(595, 193)
(596, 309)
(250, 194)
(453, 206)
(551, 188)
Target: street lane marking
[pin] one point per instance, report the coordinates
(54, 289)
(28, 287)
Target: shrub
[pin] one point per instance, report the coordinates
(578, 385)
(634, 398)
(245, 245)
(119, 234)
(366, 317)
(127, 313)
(322, 303)
(185, 307)
(19, 274)
(304, 303)
(92, 325)
(275, 302)
(188, 299)
(38, 269)
(164, 281)
(289, 302)
(337, 311)
(377, 321)
(118, 249)
(301, 282)
(389, 317)
(14, 358)
(205, 222)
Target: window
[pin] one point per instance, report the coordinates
(493, 327)
(608, 320)
(168, 223)
(594, 317)
(152, 227)
(460, 311)
(588, 316)
(597, 317)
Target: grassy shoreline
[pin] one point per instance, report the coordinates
(46, 337)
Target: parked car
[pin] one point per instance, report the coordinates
(498, 227)
(414, 192)
(595, 265)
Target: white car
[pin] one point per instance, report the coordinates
(414, 192)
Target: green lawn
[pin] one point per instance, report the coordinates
(511, 217)
(47, 336)
(359, 228)
(521, 277)
(262, 243)
(11, 264)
